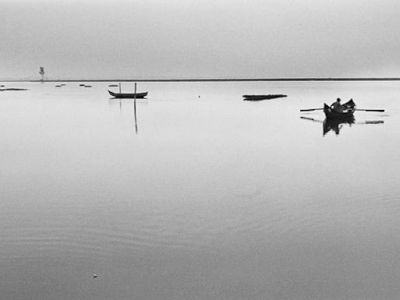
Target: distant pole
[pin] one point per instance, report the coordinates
(41, 72)
(119, 87)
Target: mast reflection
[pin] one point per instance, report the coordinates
(121, 103)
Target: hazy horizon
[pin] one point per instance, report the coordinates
(199, 39)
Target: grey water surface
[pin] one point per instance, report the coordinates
(194, 193)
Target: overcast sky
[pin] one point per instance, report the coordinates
(199, 38)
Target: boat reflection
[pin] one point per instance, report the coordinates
(128, 103)
(336, 125)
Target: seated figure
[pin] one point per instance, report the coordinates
(337, 106)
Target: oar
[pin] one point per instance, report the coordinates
(376, 110)
(357, 109)
(311, 109)
(311, 119)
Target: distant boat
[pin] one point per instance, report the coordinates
(348, 111)
(113, 85)
(262, 97)
(12, 89)
(128, 95)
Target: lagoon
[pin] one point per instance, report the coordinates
(194, 193)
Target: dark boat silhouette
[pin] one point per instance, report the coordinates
(262, 97)
(128, 95)
(12, 89)
(348, 111)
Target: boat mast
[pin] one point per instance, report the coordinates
(41, 72)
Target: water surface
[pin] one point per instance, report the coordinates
(201, 195)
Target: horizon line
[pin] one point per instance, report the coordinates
(212, 79)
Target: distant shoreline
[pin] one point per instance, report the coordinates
(212, 79)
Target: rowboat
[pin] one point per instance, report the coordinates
(348, 111)
(128, 95)
(262, 97)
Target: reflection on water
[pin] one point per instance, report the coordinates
(216, 198)
(336, 125)
(134, 113)
(128, 104)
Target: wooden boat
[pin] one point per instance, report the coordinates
(262, 97)
(348, 111)
(128, 95)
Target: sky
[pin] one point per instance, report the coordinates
(151, 39)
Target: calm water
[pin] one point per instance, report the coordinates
(204, 197)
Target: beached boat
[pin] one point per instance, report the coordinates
(128, 95)
(348, 111)
(262, 97)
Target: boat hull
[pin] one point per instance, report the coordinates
(128, 95)
(261, 97)
(348, 113)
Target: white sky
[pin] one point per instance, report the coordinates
(199, 38)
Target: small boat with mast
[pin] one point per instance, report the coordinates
(133, 95)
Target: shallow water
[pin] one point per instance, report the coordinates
(201, 196)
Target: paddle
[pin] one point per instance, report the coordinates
(376, 110)
(311, 109)
(357, 109)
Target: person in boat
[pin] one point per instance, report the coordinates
(337, 106)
